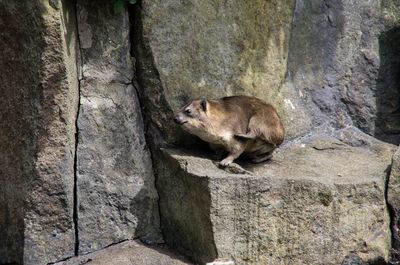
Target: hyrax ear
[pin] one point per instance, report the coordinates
(203, 104)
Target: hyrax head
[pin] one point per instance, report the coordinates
(192, 116)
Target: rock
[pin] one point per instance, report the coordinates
(341, 59)
(394, 200)
(321, 58)
(353, 259)
(129, 253)
(115, 180)
(37, 131)
(195, 49)
(315, 202)
(221, 262)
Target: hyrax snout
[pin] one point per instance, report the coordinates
(237, 124)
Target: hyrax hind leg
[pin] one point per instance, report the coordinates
(266, 136)
(260, 128)
(263, 154)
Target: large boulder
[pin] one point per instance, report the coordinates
(317, 201)
(116, 194)
(37, 131)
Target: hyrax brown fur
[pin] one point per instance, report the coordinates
(237, 124)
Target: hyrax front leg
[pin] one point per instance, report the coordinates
(235, 149)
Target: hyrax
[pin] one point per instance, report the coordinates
(237, 124)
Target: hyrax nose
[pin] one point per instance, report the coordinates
(177, 120)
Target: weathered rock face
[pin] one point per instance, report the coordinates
(308, 206)
(394, 202)
(193, 49)
(321, 63)
(342, 60)
(116, 195)
(37, 131)
(129, 253)
(334, 46)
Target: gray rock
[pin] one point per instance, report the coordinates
(342, 59)
(39, 102)
(352, 259)
(117, 199)
(394, 200)
(37, 131)
(317, 201)
(129, 253)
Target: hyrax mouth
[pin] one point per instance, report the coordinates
(179, 121)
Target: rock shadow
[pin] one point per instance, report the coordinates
(387, 124)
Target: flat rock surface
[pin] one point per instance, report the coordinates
(325, 160)
(318, 200)
(129, 253)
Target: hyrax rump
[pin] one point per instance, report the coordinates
(237, 124)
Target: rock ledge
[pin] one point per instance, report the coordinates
(316, 202)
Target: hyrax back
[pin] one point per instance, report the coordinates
(237, 124)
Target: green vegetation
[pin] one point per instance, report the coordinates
(119, 5)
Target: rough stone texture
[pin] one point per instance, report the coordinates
(129, 253)
(352, 259)
(321, 63)
(342, 59)
(333, 47)
(192, 49)
(117, 199)
(325, 65)
(317, 201)
(39, 102)
(394, 202)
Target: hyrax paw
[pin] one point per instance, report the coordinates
(225, 162)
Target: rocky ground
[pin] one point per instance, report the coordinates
(129, 253)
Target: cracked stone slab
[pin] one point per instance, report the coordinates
(129, 253)
(318, 200)
(115, 180)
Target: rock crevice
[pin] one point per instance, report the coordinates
(79, 77)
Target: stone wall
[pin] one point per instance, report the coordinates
(67, 74)
(39, 99)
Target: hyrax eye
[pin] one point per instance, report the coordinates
(188, 111)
